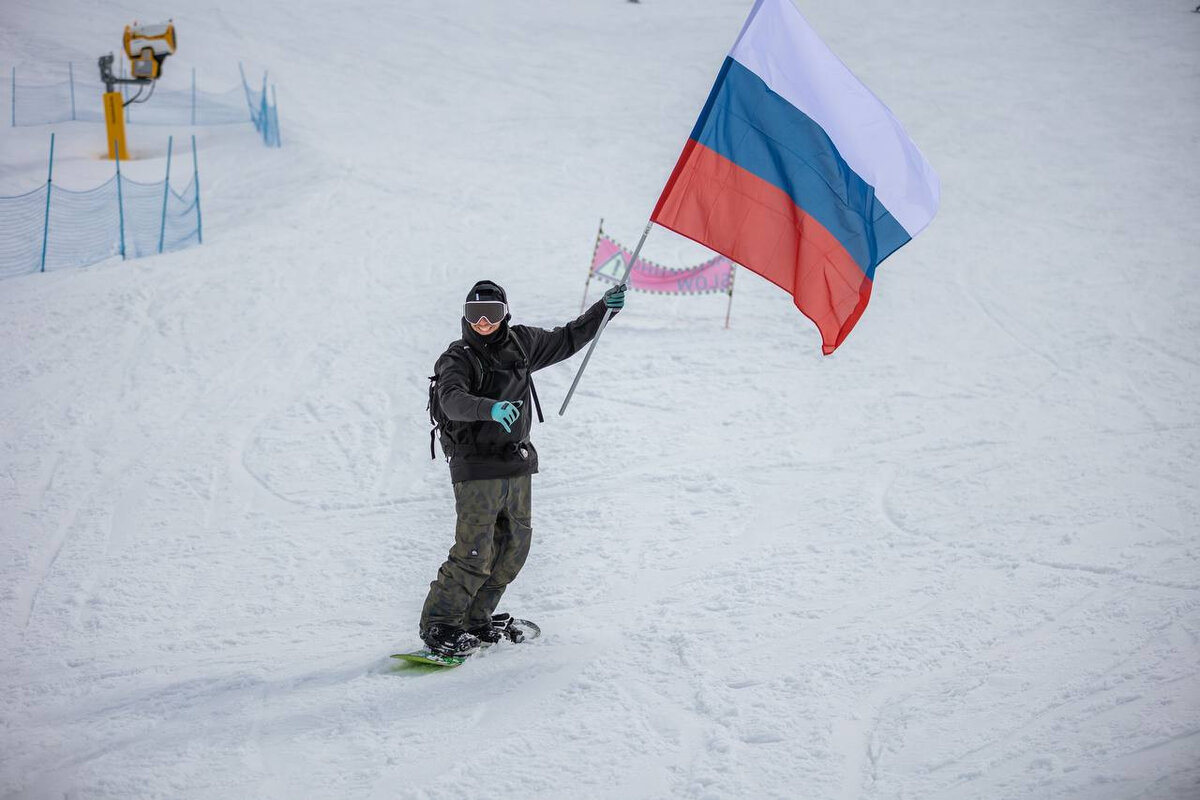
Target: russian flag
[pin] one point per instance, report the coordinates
(798, 172)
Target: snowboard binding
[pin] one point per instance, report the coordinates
(503, 626)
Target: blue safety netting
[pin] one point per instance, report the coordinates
(182, 107)
(121, 217)
(40, 104)
(264, 114)
(83, 227)
(157, 219)
(79, 97)
(22, 219)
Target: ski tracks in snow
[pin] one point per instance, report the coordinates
(955, 561)
(1090, 681)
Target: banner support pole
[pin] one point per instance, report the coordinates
(599, 231)
(729, 308)
(607, 316)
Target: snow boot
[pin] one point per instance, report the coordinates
(447, 640)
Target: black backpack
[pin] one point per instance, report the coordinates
(437, 417)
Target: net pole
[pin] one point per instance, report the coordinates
(46, 222)
(120, 199)
(196, 183)
(262, 111)
(275, 116)
(162, 226)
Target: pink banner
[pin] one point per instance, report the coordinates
(611, 259)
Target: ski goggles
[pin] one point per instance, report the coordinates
(492, 310)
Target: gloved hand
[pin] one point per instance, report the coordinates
(506, 414)
(614, 298)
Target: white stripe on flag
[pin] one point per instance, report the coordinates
(778, 45)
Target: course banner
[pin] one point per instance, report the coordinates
(611, 259)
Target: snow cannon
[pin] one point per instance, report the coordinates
(148, 47)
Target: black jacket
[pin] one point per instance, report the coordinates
(480, 447)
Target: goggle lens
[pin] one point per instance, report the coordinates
(491, 310)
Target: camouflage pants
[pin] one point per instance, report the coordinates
(491, 541)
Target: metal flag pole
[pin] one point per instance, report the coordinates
(607, 316)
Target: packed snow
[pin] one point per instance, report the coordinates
(957, 559)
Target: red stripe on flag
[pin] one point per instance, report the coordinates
(715, 202)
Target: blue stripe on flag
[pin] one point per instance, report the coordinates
(747, 123)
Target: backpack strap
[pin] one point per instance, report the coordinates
(433, 423)
(477, 373)
(475, 381)
(532, 389)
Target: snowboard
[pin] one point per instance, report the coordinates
(427, 658)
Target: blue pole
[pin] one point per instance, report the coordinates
(71, 72)
(162, 227)
(46, 223)
(193, 97)
(14, 97)
(275, 116)
(196, 182)
(120, 200)
(266, 132)
(246, 89)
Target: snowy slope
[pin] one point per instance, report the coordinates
(959, 559)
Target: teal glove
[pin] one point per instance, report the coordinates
(614, 298)
(506, 414)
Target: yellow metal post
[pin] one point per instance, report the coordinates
(114, 122)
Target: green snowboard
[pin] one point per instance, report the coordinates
(517, 630)
(428, 658)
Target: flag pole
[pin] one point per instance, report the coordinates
(607, 316)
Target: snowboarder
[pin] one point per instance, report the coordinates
(479, 402)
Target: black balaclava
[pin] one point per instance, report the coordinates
(487, 290)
